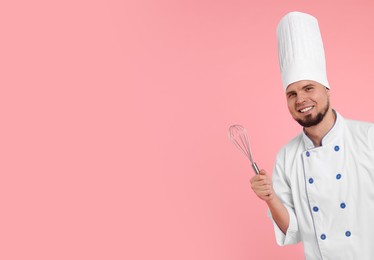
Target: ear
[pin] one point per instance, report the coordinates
(328, 92)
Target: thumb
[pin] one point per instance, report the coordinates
(263, 172)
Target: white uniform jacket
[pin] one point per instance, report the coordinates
(329, 192)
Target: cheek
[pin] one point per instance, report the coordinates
(290, 106)
(321, 100)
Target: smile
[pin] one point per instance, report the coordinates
(305, 109)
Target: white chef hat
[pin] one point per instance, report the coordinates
(300, 49)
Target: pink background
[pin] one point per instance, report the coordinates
(114, 118)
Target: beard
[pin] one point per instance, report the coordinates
(312, 121)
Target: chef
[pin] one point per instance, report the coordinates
(322, 189)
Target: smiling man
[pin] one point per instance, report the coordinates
(322, 189)
(307, 98)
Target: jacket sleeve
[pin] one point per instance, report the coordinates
(282, 187)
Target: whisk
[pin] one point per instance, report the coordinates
(238, 136)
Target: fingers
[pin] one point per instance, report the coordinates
(262, 189)
(266, 194)
(262, 178)
(262, 186)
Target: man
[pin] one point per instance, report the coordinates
(322, 188)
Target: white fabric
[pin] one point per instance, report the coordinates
(300, 49)
(354, 161)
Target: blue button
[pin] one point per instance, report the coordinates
(315, 209)
(311, 180)
(338, 176)
(336, 148)
(348, 233)
(323, 236)
(307, 153)
(342, 205)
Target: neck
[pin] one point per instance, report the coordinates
(317, 132)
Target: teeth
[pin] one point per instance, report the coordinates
(305, 109)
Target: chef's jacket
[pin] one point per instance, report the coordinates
(329, 192)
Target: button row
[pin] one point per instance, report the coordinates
(338, 177)
(347, 234)
(342, 205)
(336, 149)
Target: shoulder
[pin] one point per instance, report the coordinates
(361, 132)
(357, 125)
(286, 157)
(360, 128)
(291, 147)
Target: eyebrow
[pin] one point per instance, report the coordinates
(309, 85)
(304, 87)
(290, 92)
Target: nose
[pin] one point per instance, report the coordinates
(300, 99)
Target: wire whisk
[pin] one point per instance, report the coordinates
(238, 136)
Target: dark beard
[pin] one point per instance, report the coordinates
(310, 121)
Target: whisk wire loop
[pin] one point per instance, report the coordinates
(238, 136)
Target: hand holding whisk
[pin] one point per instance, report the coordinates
(238, 136)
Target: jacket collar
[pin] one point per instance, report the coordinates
(331, 137)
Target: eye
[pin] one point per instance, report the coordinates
(291, 94)
(309, 88)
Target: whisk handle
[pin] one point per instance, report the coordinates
(255, 168)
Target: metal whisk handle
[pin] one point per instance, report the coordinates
(255, 168)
